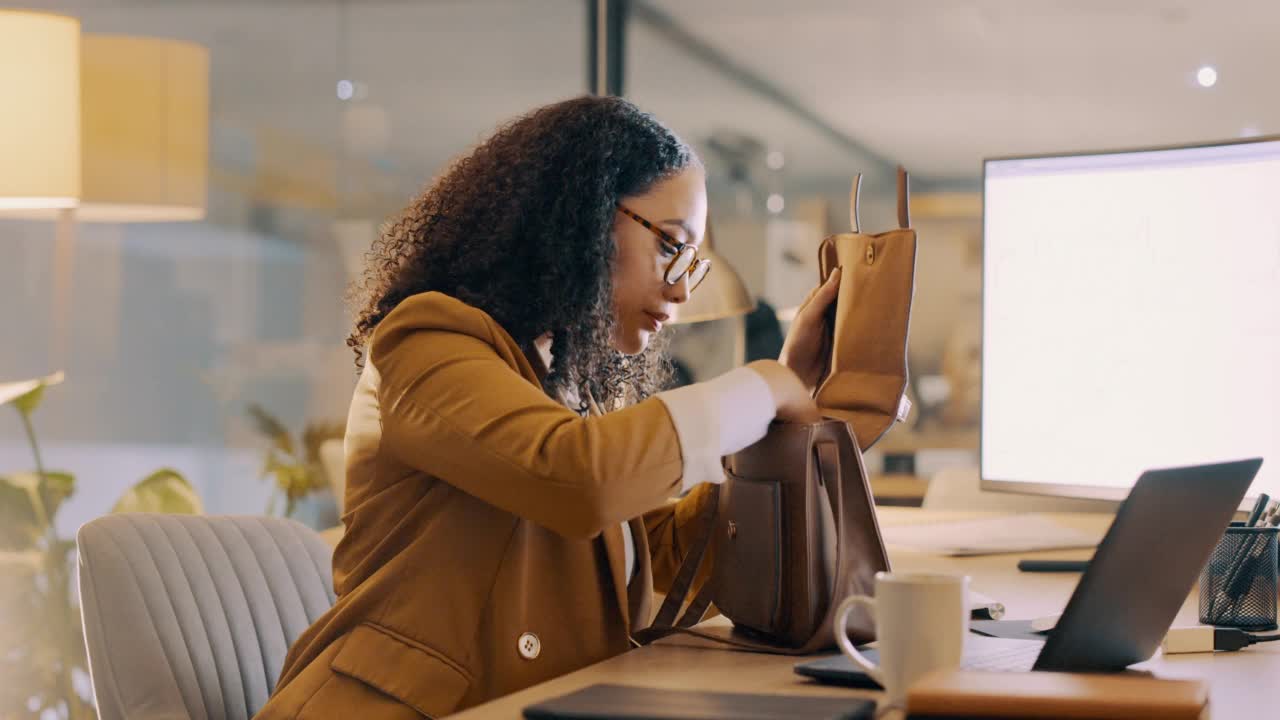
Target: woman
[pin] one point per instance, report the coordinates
(501, 529)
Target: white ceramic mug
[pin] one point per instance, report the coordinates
(921, 620)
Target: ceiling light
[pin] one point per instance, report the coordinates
(346, 90)
(1207, 76)
(775, 203)
(774, 160)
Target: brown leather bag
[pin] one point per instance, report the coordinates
(795, 528)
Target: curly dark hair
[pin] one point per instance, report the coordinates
(521, 228)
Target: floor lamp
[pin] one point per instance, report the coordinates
(101, 128)
(40, 134)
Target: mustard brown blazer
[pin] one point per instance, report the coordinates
(483, 550)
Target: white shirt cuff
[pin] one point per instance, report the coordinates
(716, 418)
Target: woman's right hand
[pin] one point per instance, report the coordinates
(792, 398)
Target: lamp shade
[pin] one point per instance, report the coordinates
(145, 129)
(721, 295)
(40, 120)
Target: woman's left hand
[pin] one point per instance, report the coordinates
(803, 349)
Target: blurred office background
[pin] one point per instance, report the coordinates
(324, 117)
(238, 157)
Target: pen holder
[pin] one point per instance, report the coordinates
(1238, 585)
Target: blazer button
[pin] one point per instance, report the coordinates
(529, 646)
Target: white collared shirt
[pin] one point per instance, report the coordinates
(712, 419)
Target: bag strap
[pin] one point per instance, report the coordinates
(827, 461)
(665, 622)
(675, 598)
(827, 465)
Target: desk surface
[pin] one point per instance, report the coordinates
(1240, 683)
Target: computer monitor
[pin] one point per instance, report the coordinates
(1131, 316)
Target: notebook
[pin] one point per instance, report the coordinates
(967, 694)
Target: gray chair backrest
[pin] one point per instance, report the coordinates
(192, 616)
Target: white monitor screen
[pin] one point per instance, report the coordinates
(1131, 316)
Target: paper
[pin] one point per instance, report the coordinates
(1006, 629)
(1045, 624)
(989, 536)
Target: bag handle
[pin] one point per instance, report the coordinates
(904, 199)
(904, 204)
(854, 195)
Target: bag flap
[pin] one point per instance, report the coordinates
(866, 378)
(407, 671)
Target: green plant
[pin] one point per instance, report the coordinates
(297, 468)
(41, 639)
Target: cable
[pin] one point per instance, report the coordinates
(1202, 638)
(1235, 639)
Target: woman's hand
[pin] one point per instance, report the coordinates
(793, 400)
(803, 349)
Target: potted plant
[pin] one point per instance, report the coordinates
(296, 467)
(43, 667)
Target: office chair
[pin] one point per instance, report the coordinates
(191, 616)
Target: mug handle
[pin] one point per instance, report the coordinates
(842, 635)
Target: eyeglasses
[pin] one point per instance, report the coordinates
(685, 261)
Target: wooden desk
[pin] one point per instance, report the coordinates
(1241, 683)
(898, 489)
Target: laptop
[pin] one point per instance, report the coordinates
(1140, 575)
